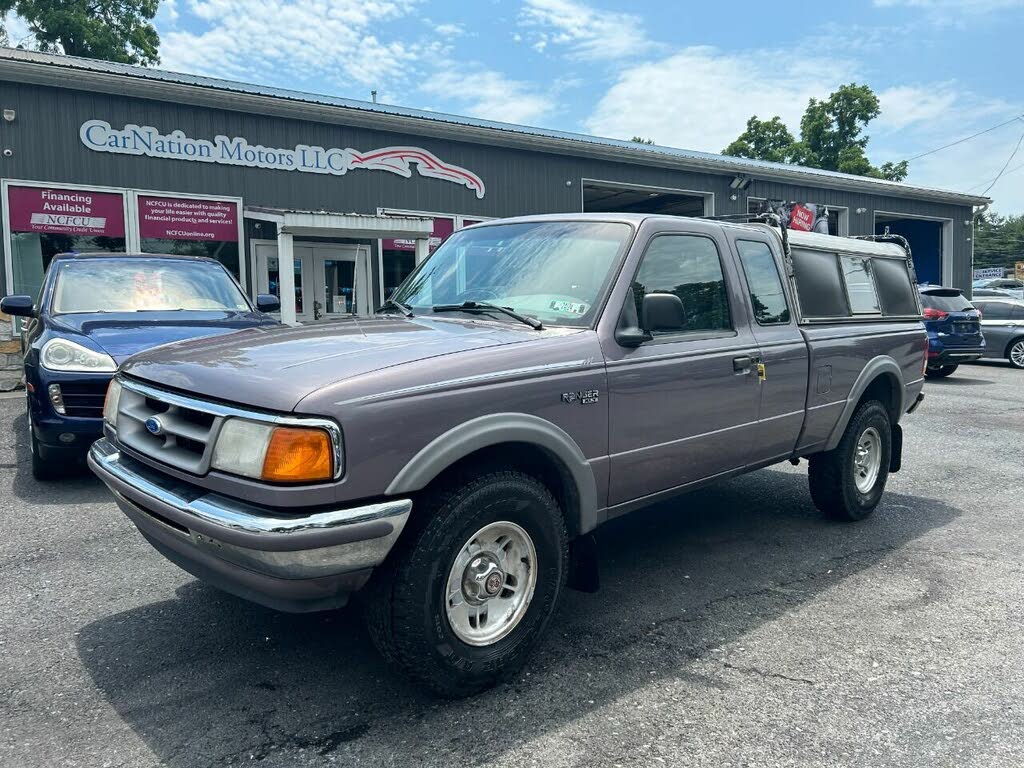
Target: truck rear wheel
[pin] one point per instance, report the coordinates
(472, 586)
(847, 482)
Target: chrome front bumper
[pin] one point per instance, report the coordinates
(292, 562)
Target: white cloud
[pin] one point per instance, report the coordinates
(251, 38)
(587, 33)
(907, 105)
(450, 30)
(701, 98)
(490, 95)
(977, 6)
(17, 31)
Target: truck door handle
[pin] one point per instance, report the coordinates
(742, 364)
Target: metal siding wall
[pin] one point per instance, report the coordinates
(44, 139)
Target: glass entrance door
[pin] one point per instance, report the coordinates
(330, 280)
(268, 276)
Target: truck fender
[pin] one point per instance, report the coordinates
(877, 366)
(484, 431)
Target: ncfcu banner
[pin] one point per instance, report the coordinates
(805, 217)
(146, 140)
(176, 218)
(65, 211)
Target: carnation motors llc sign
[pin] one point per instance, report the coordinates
(100, 136)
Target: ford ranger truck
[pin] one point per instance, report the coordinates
(535, 377)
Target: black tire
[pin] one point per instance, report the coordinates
(406, 600)
(1015, 353)
(940, 371)
(44, 468)
(832, 474)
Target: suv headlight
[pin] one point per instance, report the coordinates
(64, 355)
(276, 453)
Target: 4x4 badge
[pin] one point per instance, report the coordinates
(585, 397)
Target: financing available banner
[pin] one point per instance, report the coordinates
(804, 217)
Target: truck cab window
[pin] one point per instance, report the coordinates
(689, 267)
(767, 298)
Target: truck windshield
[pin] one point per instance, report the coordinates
(144, 285)
(555, 271)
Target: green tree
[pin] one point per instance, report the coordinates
(642, 140)
(831, 136)
(764, 140)
(112, 30)
(998, 240)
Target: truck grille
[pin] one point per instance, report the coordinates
(169, 428)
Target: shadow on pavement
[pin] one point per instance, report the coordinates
(79, 486)
(208, 678)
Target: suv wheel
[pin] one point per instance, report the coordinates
(1015, 354)
(847, 482)
(940, 371)
(470, 589)
(43, 467)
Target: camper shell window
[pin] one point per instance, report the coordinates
(840, 284)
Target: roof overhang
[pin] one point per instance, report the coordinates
(346, 225)
(51, 70)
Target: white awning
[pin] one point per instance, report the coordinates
(351, 225)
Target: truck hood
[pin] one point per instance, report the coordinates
(122, 335)
(275, 368)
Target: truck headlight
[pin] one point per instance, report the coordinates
(275, 453)
(64, 355)
(111, 402)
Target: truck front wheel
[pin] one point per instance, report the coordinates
(847, 482)
(467, 595)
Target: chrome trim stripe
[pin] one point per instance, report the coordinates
(231, 411)
(227, 513)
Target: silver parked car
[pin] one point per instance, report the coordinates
(1002, 322)
(1011, 285)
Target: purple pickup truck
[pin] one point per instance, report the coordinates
(534, 378)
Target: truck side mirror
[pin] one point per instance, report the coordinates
(662, 312)
(268, 302)
(22, 306)
(628, 332)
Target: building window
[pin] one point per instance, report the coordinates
(190, 226)
(45, 221)
(398, 257)
(802, 216)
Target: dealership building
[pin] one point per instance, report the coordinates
(100, 156)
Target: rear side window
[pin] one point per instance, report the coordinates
(819, 286)
(895, 291)
(689, 267)
(763, 282)
(996, 310)
(948, 300)
(859, 285)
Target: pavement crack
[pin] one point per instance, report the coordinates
(767, 675)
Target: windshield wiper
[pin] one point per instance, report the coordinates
(483, 306)
(403, 308)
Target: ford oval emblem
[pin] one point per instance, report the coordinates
(154, 426)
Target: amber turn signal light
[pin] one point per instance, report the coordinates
(298, 455)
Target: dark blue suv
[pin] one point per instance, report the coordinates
(95, 310)
(954, 330)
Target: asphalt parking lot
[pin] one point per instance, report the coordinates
(734, 627)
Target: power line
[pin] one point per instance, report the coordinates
(966, 138)
(1005, 165)
(1007, 173)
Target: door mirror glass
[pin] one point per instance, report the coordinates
(268, 302)
(22, 306)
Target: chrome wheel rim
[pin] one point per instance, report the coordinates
(867, 459)
(491, 583)
(1017, 354)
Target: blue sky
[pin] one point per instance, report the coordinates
(684, 74)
